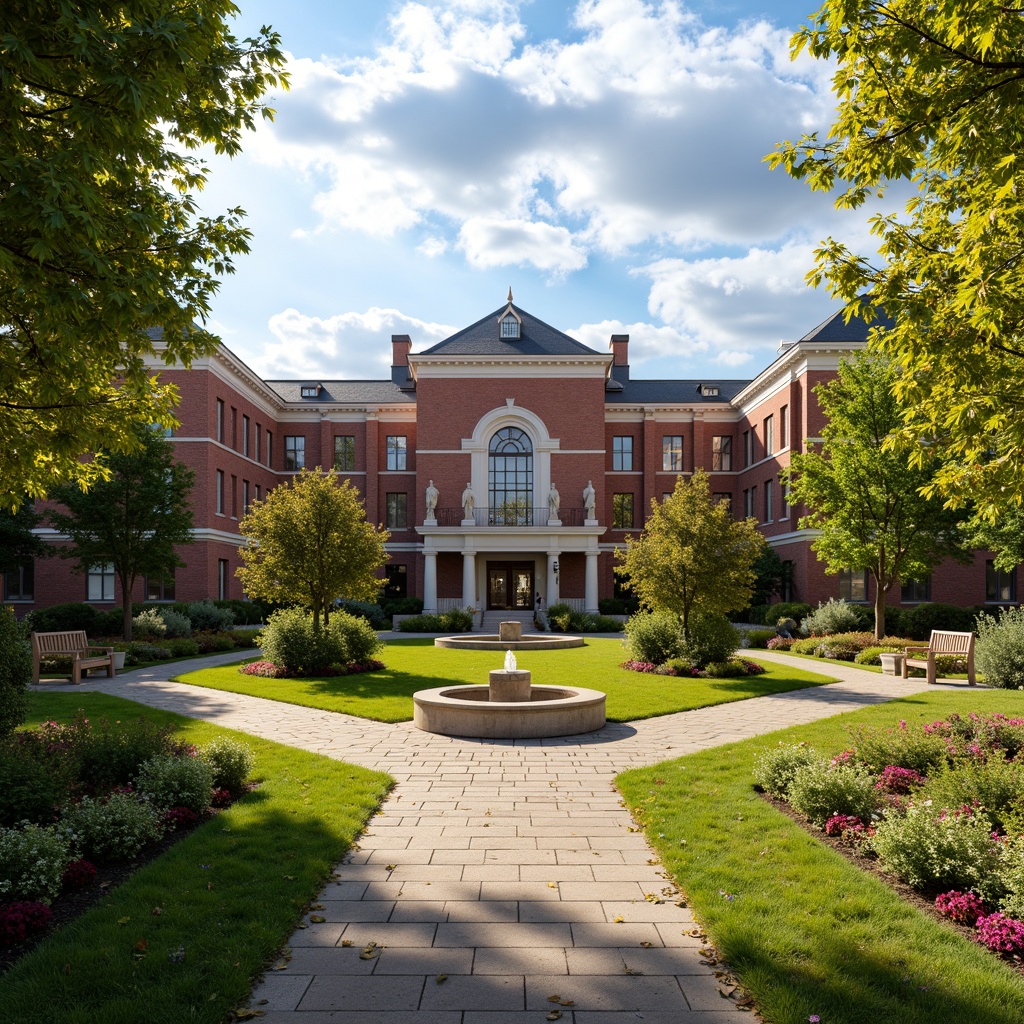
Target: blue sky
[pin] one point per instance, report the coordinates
(603, 158)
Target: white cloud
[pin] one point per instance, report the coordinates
(346, 346)
(649, 128)
(738, 305)
(646, 341)
(500, 243)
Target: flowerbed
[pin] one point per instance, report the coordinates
(940, 806)
(77, 795)
(268, 670)
(733, 668)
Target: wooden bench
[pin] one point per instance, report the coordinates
(942, 644)
(73, 644)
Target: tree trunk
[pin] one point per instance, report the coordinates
(879, 609)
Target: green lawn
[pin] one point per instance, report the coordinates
(230, 894)
(805, 931)
(386, 696)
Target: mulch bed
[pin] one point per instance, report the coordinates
(869, 862)
(71, 903)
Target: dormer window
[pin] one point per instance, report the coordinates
(509, 326)
(708, 390)
(309, 391)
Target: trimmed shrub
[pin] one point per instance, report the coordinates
(655, 637)
(21, 920)
(176, 625)
(618, 605)
(290, 642)
(206, 615)
(999, 650)
(732, 669)
(400, 605)
(775, 767)
(877, 749)
(182, 647)
(61, 617)
(780, 643)
(924, 847)
(246, 613)
(422, 624)
(113, 829)
(560, 616)
(832, 617)
(372, 613)
(111, 754)
(229, 762)
(213, 643)
(787, 610)
(148, 625)
(840, 789)
(170, 781)
(32, 785)
(458, 620)
(711, 638)
(1001, 934)
(758, 638)
(603, 624)
(994, 787)
(78, 874)
(870, 655)
(137, 652)
(15, 671)
(1011, 874)
(963, 907)
(32, 862)
(356, 637)
(920, 621)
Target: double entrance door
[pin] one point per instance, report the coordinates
(510, 585)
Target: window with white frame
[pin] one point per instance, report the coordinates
(294, 451)
(622, 453)
(672, 453)
(1000, 586)
(853, 584)
(100, 583)
(769, 511)
(245, 435)
(721, 453)
(769, 435)
(397, 511)
(19, 582)
(220, 492)
(396, 452)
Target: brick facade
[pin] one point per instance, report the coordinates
(583, 420)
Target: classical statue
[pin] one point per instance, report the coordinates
(590, 500)
(431, 499)
(468, 502)
(553, 501)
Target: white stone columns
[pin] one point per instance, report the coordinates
(469, 579)
(590, 591)
(552, 578)
(430, 582)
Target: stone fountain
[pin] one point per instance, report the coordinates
(509, 707)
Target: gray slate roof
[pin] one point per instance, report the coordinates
(664, 391)
(356, 392)
(536, 339)
(835, 328)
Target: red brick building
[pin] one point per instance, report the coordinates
(505, 428)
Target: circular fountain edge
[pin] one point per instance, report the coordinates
(443, 711)
(492, 642)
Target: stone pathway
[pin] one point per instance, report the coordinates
(499, 874)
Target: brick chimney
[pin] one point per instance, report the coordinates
(620, 357)
(401, 346)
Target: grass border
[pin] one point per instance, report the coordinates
(229, 895)
(805, 930)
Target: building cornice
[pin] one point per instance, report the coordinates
(793, 363)
(442, 366)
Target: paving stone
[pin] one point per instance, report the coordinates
(372, 994)
(607, 993)
(520, 960)
(484, 933)
(421, 960)
(391, 934)
(282, 991)
(624, 934)
(475, 992)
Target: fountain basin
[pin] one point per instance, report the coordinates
(470, 711)
(493, 642)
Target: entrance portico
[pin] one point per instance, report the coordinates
(506, 567)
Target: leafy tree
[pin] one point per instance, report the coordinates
(931, 95)
(17, 541)
(310, 543)
(1005, 537)
(692, 555)
(861, 495)
(769, 576)
(133, 520)
(101, 108)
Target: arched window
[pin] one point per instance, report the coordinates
(510, 478)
